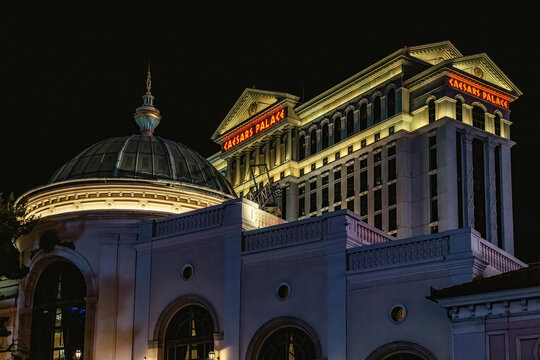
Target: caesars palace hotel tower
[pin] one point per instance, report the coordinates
(416, 143)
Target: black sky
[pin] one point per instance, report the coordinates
(72, 73)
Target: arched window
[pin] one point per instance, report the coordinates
(286, 344)
(376, 110)
(403, 356)
(313, 142)
(189, 334)
(431, 110)
(350, 123)
(478, 117)
(391, 102)
(325, 136)
(401, 350)
(337, 130)
(302, 147)
(497, 124)
(363, 117)
(459, 110)
(58, 314)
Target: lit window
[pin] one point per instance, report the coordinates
(479, 118)
(391, 102)
(376, 110)
(431, 110)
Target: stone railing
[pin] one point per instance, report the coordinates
(397, 253)
(263, 219)
(497, 259)
(285, 234)
(192, 221)
(369, 234)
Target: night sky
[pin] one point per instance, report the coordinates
(74, 72)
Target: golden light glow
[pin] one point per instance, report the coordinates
(79, 195)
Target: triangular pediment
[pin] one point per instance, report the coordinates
(435, 53)
(483, 67)
(250, 103)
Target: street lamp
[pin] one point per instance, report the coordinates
(78, 354)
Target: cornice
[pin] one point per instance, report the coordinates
(348, 86)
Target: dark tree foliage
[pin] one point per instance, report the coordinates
(13, 224)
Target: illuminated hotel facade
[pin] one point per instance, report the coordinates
(417, 143)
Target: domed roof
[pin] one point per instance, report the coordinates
(143, 157)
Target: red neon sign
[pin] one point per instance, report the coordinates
(479, 91)
(254, 129)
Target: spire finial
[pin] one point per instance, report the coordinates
(146, 115)
(148, 79)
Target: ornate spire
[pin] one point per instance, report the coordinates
(146, 115)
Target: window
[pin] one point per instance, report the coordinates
(459, 110)
(391, 169)
(363, 205)
(363, 181)
(301, 190)
(313, 202)
(376, 110)
(350, 149)
(377, 157)
(433, 185)
(434, 211)
(350, 205)
(392, 219)
(377, 200)
(313, 166)
(433, 158)
(313, 142)
(391, 150)
(189, 334)
(325, 161)
(497, 125)
(391, 102)
(302, 148)
(302, 172)
(392, 194)
(363, 143)
(325, 136)
(337, 207)
(377, 179)
(431, 110)
(350, 186)
(337, 174)
(324, 200)
(301, 207)
(377, 136)
(286, 344)
(337, 155)
(363, 162)
(337, 191)
(281, 175)
(59, 311)
(479, 188)
(350, 123)
(478, 116)
(337, 130)
(363, 117)
(350, 169)
(313, 186)
(391, 130)
(378, 221)
(324, 180)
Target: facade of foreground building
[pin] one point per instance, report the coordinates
(144, 251)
